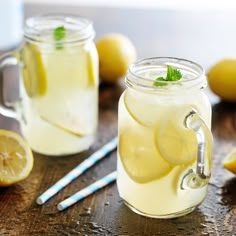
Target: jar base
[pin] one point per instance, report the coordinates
(79, 145)
(167, 216)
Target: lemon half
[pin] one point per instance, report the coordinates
(16, 158)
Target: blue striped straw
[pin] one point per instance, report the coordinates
(77, 171)
(108, 179)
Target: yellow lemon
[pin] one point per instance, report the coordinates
(229, 161)
(16, 159)
(116, 52)
(222, 79)
(34, 74)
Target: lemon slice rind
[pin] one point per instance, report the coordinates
(34, 73)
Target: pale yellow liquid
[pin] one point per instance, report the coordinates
(152, 165)
(62, 118)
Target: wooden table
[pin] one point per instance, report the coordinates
(104, 213)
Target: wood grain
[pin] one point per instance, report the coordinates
(104, 213)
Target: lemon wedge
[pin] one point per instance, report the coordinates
(16, 159)
(34, 74)
(229, 162)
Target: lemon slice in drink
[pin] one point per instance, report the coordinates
(229, 162)
(140, 159)
(139, 156)
(92, 68)
(143, 109)
(16, 159)
(176, 143)
(34, 74)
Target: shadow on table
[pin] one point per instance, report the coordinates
(12, 196)
(229, 193)
(224, 120)
(130, 222)
(109, 94)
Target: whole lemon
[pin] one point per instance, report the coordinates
(222, 79)
(116, 52)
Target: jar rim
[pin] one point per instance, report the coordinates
(135, 77)
(39, 29)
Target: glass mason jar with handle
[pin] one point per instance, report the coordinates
(165, 142)
(58, 105)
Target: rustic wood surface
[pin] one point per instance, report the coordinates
(103, 213)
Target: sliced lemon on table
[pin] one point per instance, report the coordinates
(229, 162)
(16, 158)
(176, 143)
(34, 73)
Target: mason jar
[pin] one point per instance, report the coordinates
(58, 105)
(164, 138)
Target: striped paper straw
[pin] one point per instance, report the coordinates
(108, 179)
(77, 171)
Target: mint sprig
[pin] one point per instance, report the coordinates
(172, 75)
(59, 34)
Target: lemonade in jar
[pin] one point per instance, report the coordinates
(58, 109)
(165, 143)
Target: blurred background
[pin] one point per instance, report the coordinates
(198, 30)
(203, 31)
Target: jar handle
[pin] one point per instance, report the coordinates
(7, 60)
(200, 176)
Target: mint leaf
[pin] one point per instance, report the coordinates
(58, 34)
(172, 75)
(157, 83)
